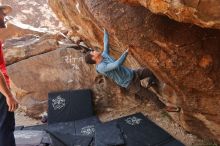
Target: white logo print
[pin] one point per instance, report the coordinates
(88, 130)
(133, 121)
(58, 103)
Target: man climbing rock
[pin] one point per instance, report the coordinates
(8, 104)
(121, 75)
(113, 69)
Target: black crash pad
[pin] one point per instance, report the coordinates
(28, 137)
(55, 141)
(71, 105)
(108, 134)
(46, 138)
(140, 131)
(19, 127)
(86, 126)
(36, 127)
(62, 127)
(71, 140)
(99, 143)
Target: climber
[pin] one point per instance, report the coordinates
(124, 77)
(8, 104)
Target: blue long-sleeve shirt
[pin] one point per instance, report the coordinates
(112, 68)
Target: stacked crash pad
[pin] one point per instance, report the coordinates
(71, 122)
(69, 105)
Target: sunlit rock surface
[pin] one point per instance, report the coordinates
(204, 13)
(36, 13)
(20, 48)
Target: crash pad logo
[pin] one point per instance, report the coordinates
(58, 103)
(88, 130)
(133, 121)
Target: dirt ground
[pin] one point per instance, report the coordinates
(22, 119)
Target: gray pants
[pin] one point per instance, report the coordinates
(135, 86)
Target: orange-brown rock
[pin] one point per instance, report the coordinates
(58, 70)
(204, 13)
(20, 48)
(184, 57)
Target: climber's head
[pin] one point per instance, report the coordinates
(92, 57)
(4, 10)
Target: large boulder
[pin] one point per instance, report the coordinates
(21, 41)
(58, 70)
(20, 48)
(184, 57)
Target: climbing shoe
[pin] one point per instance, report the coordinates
(172, 109)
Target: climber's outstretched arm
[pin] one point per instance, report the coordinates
(106, 45)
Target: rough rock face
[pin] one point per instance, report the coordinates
(184, 57)
(22, 41)
(29, 45)
(205, 13)
(57, 70)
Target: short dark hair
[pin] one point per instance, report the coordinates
(2, 24)
(88, 58)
